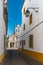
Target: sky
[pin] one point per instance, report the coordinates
(14, 14)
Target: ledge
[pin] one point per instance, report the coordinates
(2, 57)
(35, 55)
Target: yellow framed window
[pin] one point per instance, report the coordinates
(31, 41)
(24, 11)
(30, 20)
(24, 27)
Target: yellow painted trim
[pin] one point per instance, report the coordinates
(2, 57)
(35, 55)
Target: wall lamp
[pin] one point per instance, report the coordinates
(28, 12)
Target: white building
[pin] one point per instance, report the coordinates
(31, 33)
(12, 43)
(3, 28)
(17, 30)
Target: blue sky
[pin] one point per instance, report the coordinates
(14, 14)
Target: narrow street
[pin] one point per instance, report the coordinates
(13, 58)
(21, 32)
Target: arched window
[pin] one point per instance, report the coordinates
(24, 11)
(30, 20)
(24, 27)
(31, 41)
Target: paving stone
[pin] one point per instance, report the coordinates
(13, 58)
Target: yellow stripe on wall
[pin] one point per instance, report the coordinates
(2, 57)
(35, 55)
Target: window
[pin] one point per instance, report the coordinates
(16, 30)
(30, 21)
(5, 12)
(24, 27)
(11, 44)
(31, 41)
(23, 42)
(24, 11)
(20, 42)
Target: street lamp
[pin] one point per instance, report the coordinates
(28, 12)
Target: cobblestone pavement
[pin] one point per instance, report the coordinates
(13, 58)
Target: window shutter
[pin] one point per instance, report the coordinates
(30, 21)
(24, 11)
(20, 42)
(24, 42)
(31, 41)
(24, 27)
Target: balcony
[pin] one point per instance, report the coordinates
(5, 2)
(5, 11)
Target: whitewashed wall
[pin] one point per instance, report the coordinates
(38, 31)
(2, 28)
(12, 39)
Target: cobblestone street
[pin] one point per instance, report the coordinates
(13, 58)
